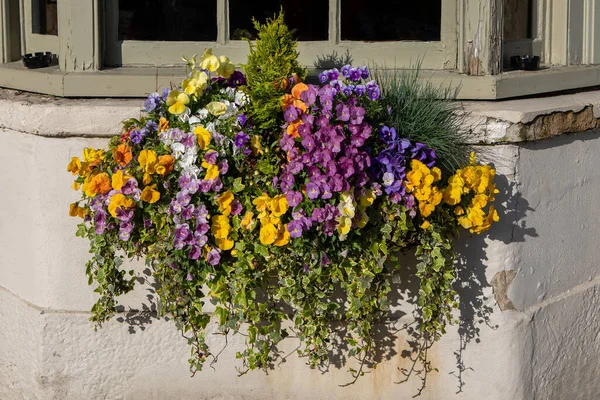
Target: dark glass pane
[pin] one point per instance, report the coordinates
(378, 20)
(310, 18)
(44, 19)
(517, 19)
(168, 20)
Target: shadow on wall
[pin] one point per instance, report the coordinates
(471, 286)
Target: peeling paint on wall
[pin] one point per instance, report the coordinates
(500, 283)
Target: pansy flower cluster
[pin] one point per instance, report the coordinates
(212, 201)
(194, 140)
(328, 165)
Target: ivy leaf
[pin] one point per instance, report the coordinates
(222, 313)
(238, 186)
(427, 314)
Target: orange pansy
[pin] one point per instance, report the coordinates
(122, 154)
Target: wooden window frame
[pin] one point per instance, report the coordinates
(432, 55)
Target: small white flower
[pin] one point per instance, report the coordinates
(192, 170)
(187, 159)
(241, 99)
(388, 179)
(177, 150)
(230, 92)
(211, 127)
(185, 116)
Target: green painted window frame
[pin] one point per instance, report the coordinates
(432, 55)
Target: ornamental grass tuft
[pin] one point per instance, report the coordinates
(423, 112)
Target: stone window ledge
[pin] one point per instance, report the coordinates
(520, 120)
(498, 122)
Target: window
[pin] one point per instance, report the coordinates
(367, 29)
(41, 25)
(126, 47)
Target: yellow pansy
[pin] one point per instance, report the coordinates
(119, 179)
(150, 194)
(283, 236)
(147, 160)
(76, 185)
(119, 200)
(216, 108)
(76, 211)
(74, 166)
(91, 155)
(248, 220)
(268, 234)
(261, 202)
(425, 224)
(256, 146)
(479, 201)
(212, 171)
(367, 198)
(224, 244)
(177, 102)
(344, 225)
(226, 67)
(362, 218)
(203, 136)
(163, 124)
(224, 202)
(492, 216)
(220, 226)
(209, 61)
(452, 194)
(196, 83)
(164, 164)
(278, 205)
(190, 62)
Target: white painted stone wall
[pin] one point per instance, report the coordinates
(547, 347)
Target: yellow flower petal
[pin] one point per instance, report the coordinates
(209, 61)
(283, 236)
(216, 108)
(203, 136)
(224, 244)
(150, 195)
(74, 166)
(268, 234)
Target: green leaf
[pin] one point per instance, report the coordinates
(223, 314)
(238, 186)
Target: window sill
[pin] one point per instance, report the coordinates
(138, 82)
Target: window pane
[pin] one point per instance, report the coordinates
(377, 20)
(308, 17)
(517, 19)
(168, 20)
(44, 19)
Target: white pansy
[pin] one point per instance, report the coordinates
(177, 150)
(241, 99)
(185, 116)
(388, 179)
(230, 92)
(192, 170)
(211, 127)
(187, 160)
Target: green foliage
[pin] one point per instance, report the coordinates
(273, 59)
(422, 112)
(333, 60)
